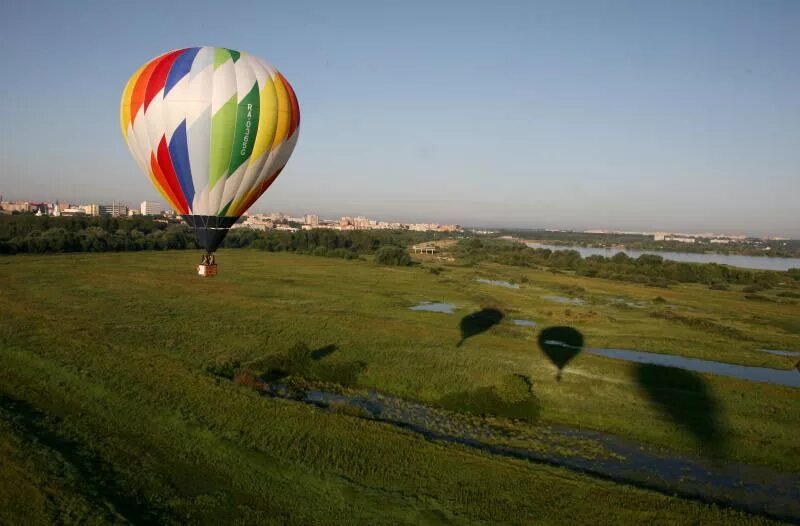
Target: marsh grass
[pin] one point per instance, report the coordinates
(130, 356)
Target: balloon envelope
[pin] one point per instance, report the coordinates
(212, 128)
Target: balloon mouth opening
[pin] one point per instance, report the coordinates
(210, 231)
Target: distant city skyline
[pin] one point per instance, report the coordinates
(299, 211)
(679, 116)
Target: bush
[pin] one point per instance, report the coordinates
(345, 374)
(390, 255)
(514, 388)
(757, 297)
(789, 294)
(224, 368)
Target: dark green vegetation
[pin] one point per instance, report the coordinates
(747, 247)
(392, 255)
(646, 269)
(118, 400)
(38, 235)
(28, 234)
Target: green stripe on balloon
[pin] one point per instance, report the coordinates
(220, 56)
(246, 129)
(223, 126)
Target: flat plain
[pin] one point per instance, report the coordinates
(115, 406)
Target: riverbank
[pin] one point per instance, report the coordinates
(764, 262)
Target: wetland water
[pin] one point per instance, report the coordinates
(753, 262)
(790, 378)
(564, 300)
(750, 488)
(498, 283)
(428, 306)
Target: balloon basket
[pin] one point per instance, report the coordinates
(207, 271)
(208, 266)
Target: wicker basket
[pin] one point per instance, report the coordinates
(207, 270)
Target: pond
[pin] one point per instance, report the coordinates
(754, 262)
(428, 306)
(564, 300)
(790, 378)
(498, 283)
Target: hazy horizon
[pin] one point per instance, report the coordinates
(624, 116)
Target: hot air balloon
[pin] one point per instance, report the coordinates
(212, 128)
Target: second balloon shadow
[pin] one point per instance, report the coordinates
(561, 345)
(479, 322)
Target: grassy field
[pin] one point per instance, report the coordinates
(108, 411)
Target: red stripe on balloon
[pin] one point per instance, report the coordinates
(165, 163)
(258, 192)
(138, 93)
(159, 76)
(162, 180)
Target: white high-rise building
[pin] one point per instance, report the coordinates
(151, 208)
(312, 219)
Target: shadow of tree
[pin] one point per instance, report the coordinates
(322, 352)
(478, 322)
(684, 398)
(560, 345)
(513, 397)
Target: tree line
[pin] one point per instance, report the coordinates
(647, 269)
(41, 235)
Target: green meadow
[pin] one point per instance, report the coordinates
(116, 403)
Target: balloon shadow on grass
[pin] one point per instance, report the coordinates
(684, 398)
(479, 322)
(560, 345)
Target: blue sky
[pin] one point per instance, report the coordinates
(678, 115)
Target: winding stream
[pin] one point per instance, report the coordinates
(749, 488)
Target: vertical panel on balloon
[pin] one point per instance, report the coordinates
(223, 125)
(198, 123)
(246, 131)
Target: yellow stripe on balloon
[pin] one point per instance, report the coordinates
(267, 117)
(284, 112)
(125, 107)
(267, 125)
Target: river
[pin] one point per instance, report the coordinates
(752, 262)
